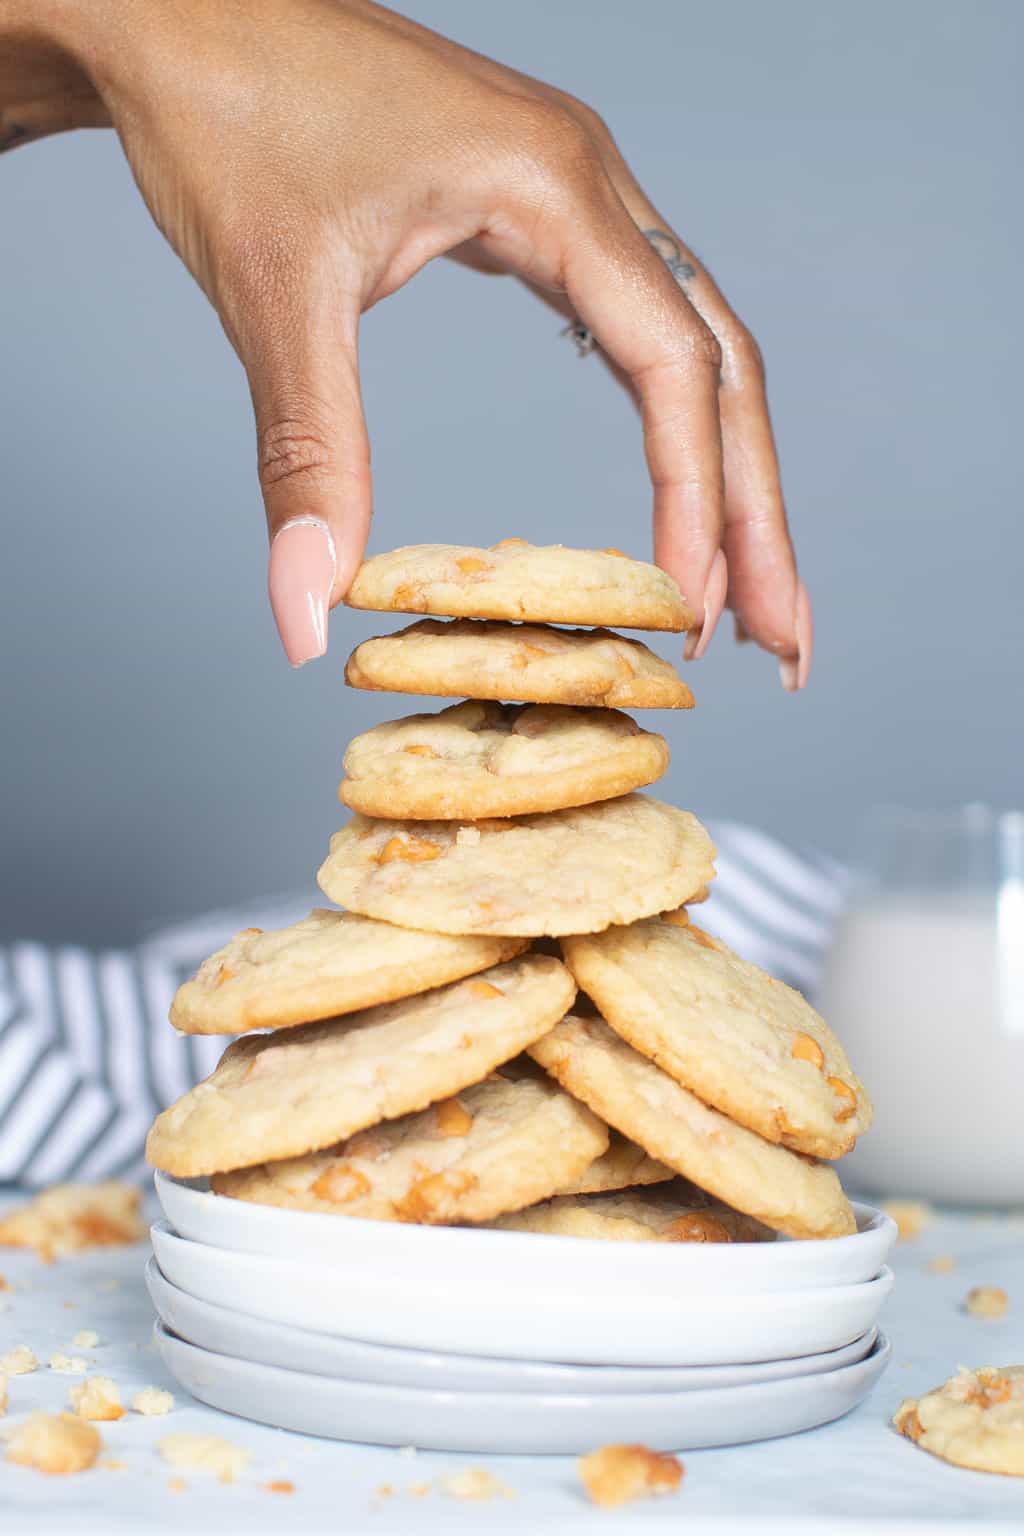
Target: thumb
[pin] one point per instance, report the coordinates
(314, 468)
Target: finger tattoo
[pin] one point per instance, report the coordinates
(668, 249)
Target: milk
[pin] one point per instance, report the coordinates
(927, 994)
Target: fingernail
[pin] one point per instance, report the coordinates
(300, 578)
(794, 671)
(698, 640)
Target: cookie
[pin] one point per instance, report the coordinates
(676, 1213)
(737, 1038)
(499, 1145)
(527, 663)
(623, 1166)
(298, 1090)
(563, 872)
(329, 963)
(480, 759)
(782, 1189)
(541, 583)
(976, 1419)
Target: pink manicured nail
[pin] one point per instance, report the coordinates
(300, 578)
(698, 640)
(795, 671)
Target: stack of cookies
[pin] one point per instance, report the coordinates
(513, 1021)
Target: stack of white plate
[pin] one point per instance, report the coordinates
(451, 1339)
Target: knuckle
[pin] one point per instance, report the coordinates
(585, 115)
(291, 449)
(557, 143)
(745, 356)
(701, 347)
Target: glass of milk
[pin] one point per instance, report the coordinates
(925, 986)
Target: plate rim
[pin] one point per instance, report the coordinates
(883, 1279)
(400, 1352)
(459, 1241)
(876, 1360)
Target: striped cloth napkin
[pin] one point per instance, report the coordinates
(87, 1058)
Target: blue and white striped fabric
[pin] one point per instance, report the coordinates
(87, 1057)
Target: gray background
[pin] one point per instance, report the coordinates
(850, 173)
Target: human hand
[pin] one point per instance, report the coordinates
(305, 158)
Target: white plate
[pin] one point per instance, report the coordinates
(516, 1422)
(504, 1262)
(297, 1349)
(592, 1327)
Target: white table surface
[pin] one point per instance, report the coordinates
(853, 1476)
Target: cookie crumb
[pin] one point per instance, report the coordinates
(19, 1362)
(85, 1338)
(911, 1217)
(176, 1485)
(384, 1490)
(279, 1485)
(54, 1443)
(418, 1490)
(99, 1398)
(112, 1464)
(475, 1483)
(942, 1264)
(151, 1401)
(205, 1453)
(3, 1396)
(986, 1301)
(617, 1473)
(68, 1365)
(5, 1284)
(72, 1218)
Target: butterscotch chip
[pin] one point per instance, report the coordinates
(99, 1399)
(480, 759)
(780, 1188)
(280, 1485)
(986, 1301)
(975, 1419)
(546, 584)
(86, 1338)
(152, 1401)
(572, 871)
(672, 1213)
(3, 1395)
(739, 1039)
(617, 1473)
(623, 1166)
(57, 1444)
(19, 1362)
(500, 1145)
(328, 964)
(72, 1218)
(524, 663)
(205, 1453)
(299, 1090)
